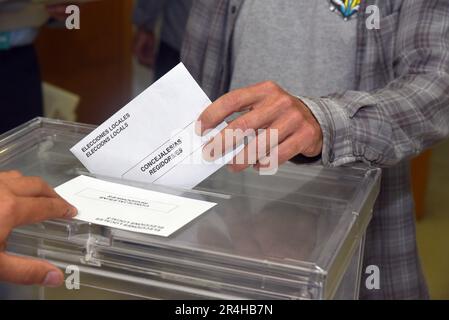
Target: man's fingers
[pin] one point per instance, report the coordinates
(289, 148)
(247, 125)
(27, 271)
(27, 210)
(257, 149)
(30, 187)
(235, 133)
(226, 105)
(13, 174)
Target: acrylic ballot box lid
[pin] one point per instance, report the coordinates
(292, 235)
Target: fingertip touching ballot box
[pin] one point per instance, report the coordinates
(298, 234)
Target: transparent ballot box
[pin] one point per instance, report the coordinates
(297, 234)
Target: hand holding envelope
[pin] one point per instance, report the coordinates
(152, 139)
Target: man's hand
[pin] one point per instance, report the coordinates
(266, 106)
(145, 47)
(26, 200)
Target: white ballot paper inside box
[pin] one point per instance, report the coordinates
(129, 208)
(152, 139)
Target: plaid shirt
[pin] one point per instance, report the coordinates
(399, 108)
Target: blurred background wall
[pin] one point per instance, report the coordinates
(94, 62)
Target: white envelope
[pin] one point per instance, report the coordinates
(129, 208)
(152, 138)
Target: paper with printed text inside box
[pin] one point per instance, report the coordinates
(152, 139)
(129, 208)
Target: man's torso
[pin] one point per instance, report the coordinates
(302, 45)
(390, 240)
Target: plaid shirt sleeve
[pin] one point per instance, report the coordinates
(409, 114)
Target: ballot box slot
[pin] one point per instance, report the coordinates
(211, 194)
(172, 190)
(292, 173)
(236, 188)
(300, 201)
(295, 194)
(334, 191)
